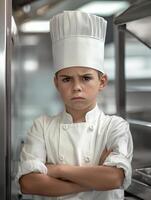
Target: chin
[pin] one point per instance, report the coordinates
(80, 106)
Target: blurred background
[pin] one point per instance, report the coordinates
(31, 74)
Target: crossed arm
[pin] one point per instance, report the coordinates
(66, 179)
(44, 185)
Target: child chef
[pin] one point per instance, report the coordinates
(81, 153)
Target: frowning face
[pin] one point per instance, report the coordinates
(79, 87)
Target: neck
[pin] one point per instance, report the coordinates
(79, 117)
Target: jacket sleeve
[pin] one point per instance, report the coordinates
(120, 141)
(33, 154)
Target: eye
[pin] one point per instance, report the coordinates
(86, 78)
(66, 79)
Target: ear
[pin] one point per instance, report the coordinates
(56, 82)
(103, 81)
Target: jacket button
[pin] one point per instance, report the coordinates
(87, 159)
(91, 127)
(61, 158)
(65, 127)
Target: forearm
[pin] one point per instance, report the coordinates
(97, 177)
(40, 184)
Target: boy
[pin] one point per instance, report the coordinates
(81, 153)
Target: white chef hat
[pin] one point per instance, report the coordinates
(78, 40)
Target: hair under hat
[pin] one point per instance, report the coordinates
(78, 40)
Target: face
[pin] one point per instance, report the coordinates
(79, 87)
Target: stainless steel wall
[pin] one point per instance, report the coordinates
(33, 91)
(5, 91)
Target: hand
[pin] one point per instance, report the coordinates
(53, 170)
(104, 155)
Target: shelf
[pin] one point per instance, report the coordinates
(140, 189)
(140, 123)
(139, 89)
(137, 19)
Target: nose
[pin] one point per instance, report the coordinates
(77, 85)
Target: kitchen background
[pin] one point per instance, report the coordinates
(29, 65)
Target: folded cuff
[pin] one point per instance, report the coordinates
(121, 162)
(29, 166)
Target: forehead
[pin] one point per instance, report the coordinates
(77, 71)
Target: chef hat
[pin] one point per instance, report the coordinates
(78, 40)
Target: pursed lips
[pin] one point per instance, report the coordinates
(77, 98)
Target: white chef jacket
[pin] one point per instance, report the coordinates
(58, 140)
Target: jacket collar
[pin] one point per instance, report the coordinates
(91, 116)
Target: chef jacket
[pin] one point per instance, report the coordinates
(58, 140)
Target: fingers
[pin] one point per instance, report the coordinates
(104, 155)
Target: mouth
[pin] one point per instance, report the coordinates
(77, 98)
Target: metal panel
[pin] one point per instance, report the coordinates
(138, 20)
(5, 88)
(138, 10)
(120, 70)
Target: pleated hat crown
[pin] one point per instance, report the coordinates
(78, 40)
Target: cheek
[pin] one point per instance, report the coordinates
(64, 91)
(94, 87)
(62, 88)
(92, 92)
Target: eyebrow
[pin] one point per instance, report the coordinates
(64, 75)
